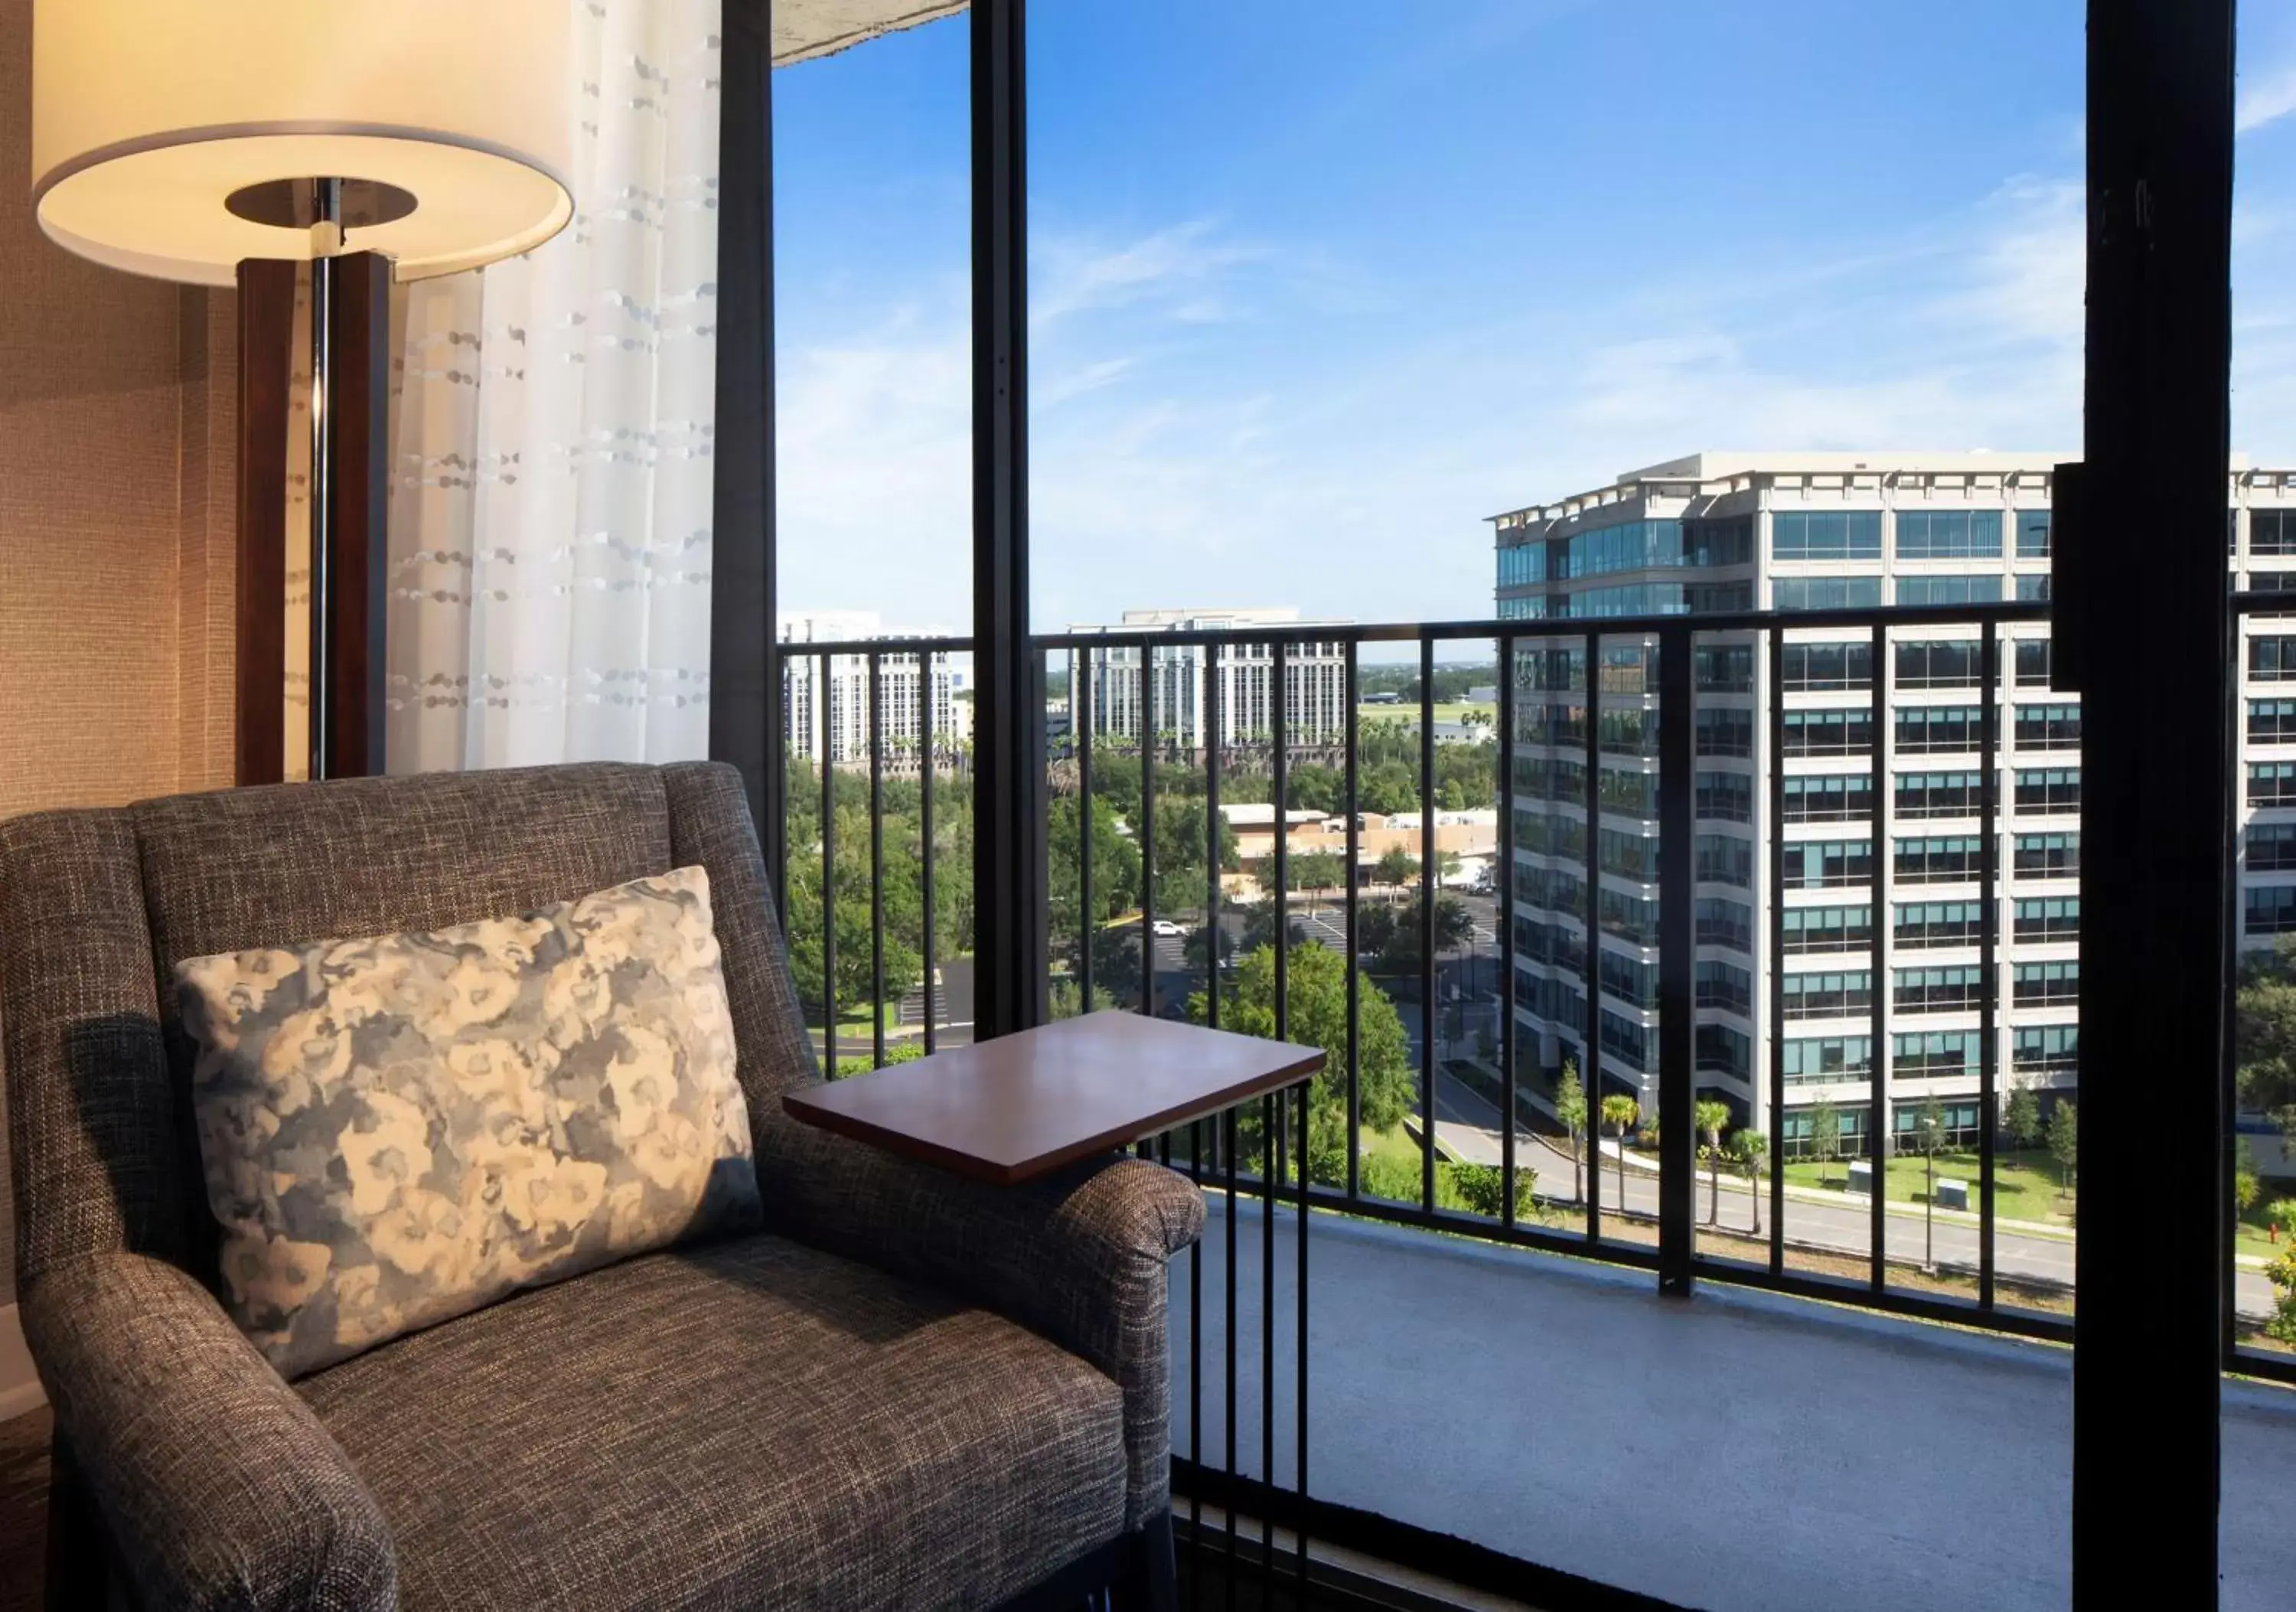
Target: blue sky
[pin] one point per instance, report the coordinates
(1320, 285)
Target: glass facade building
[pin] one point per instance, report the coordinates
(1834, 532)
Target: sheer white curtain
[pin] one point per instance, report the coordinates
(550, 506)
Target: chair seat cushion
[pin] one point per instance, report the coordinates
(748, 1423)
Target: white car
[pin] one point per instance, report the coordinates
(1166, 927)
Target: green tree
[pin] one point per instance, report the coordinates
(1825, 1135)
(1259, 921)
(1398, 947)
(1067, 999)
(855, 984)
(1570, 1111)
(1446, 868)
(2065, 1145)
(1115, 865)
(1183, 882)
(2282, 1218)
(2023, 1121)
(2264, 1033)
(2282, 1274)
(1314, 871)
(1747, 1154)
(1928, 1141)
(1466, 776)
(1711, 1118)
(1318, 788)
(1389, 788)
(1396, 868)
(1477, 1187)
(1620, 1112)
(1316, 993)
(2247, 1186)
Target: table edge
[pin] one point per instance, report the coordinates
(796, 1103)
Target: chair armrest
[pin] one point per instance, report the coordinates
(218, 1486)
(1079, 1256)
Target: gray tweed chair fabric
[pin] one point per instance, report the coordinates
(908, 1391)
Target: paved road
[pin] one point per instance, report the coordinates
(1469, 1126)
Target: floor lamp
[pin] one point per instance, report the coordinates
(228, 142)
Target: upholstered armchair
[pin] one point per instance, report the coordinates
(906, 1391)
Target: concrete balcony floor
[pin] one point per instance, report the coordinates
(1739, 1450)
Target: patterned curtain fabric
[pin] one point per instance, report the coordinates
(550, 516)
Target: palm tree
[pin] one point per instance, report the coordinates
(1710, 1119)
(1620, 1112)
(1751, 1146)
(1570, 1109)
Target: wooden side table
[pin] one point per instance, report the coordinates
(1021, 1106)
(1016, 1108)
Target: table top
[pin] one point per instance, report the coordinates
(1023, 1105)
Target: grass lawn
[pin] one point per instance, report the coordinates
(2024, 1184)
(2254, 1233)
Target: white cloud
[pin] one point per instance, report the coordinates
(2265, 99)
(1310, 455)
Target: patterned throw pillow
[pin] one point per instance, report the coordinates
(398, 1130)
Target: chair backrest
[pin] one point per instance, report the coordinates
(96, 908)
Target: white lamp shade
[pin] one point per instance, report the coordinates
(148, 114)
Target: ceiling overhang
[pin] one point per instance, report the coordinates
(806, 29)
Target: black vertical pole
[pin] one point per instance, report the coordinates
(1081, 735)
(1008, 871)
(1502, 885)
(746, 718)
(928, 747)
(1590, 918)
(828, 735)
(1989, 967)
(1355, 977)
(1145, 834)
(1678, 1157)
(1881, 1129)
(1280, 713)
(2156, 803)
(1427, 923)
(1774, 688)
(877, 851)
(1212, 824)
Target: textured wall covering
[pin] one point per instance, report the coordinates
(116, 501)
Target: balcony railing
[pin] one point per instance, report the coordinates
(1773, 911)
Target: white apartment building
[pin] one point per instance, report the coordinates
(1795, 942)
(1172, 702)
(834, 709)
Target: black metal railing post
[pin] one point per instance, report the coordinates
(1880, 1133)
(1590, 920)
(1213, 824)
(1775, 683)
(1678, 1180)
(1144, 832)
(1355, 971)
(877, 856)
(1989, 964)
(1502, 887)
(1279, 721)
(928, 779)
(1080, 737)
(1427, 923)
(828, 735)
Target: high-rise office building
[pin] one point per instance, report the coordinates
(1719, 532)
(834, 710)
(1166, 693)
